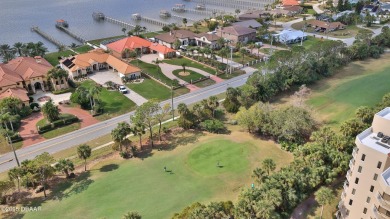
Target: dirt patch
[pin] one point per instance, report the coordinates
(182, 73)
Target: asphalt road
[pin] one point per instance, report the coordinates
(89, 133)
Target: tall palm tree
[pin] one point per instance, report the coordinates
(243, 53)
(324, 196)
(184, 67)
(224, 52)
(213, 103)
(120, 133)
(15, 173)
(185, 21)
(84, 152)
(5, 118)
(7, 52)
(124, 31)
(198, 111)
(18, 47)
(269, 165)
(138, 130)
(182, 109)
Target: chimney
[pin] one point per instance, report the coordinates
(38, 59)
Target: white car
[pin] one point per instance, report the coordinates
(123, 89)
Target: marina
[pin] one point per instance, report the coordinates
(78, 15)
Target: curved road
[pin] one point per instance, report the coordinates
(102, 128)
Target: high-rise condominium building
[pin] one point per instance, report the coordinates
(366, 191)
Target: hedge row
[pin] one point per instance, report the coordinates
(57, 124)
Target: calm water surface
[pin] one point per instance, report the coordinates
(18, 16)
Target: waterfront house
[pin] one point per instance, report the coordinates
(254, 14)
(207, 39)
(186, 38)
(140, 46)
(95, 61)
(249, 24)
(237, 33)
(290, 3)
(24, 75)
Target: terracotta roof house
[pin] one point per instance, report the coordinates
(140, 45)
(237, 33)
(185, 37)
(290, 2)
(28, 74)
(326, 26)
(16, 92)
(97, 60)
(206, 39)
(248, 23)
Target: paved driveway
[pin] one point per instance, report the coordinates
(102, 77)
(39, 97)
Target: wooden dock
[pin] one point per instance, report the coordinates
(48, 37)
(237, 4)
(183, 10)
(150, 20)
(74, 35)
(180, 18)
(129, 26)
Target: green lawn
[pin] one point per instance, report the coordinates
(98, 41)
(361, 83)
(189, 63)
(115, 187)
(61, 130)
(151, 89)
(153, 70)
(237, 57)
(232, 75)
(53, 57)
(83, 49)
(205, 83)
(114, 103)
(188, 78)
(310, 42)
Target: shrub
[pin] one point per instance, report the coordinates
(124, 154)
(33, 105)
(62, 91)
(166, 130)
(45, 128)
(25, 111)
(30, 99)
(213, 126)
(72, 83)
(58, 123)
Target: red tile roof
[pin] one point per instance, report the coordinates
(160, 48)
(128, 43)
(290, 2)
(19, 93)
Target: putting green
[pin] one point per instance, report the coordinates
(219, 156)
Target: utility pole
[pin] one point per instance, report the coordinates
(13, 149)
(231, 58)
(173, 109)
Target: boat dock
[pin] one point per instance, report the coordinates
(237, 4)
(99, 16)
(48, 37)
(180, 18)
(138, 17)
(63, 25)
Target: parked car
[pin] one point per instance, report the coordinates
(123, 89)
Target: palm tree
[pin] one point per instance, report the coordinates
(221, 42)
(269, 165)
(124, 31)
(50, 111)
(198, 111)
(196, 25)
(92, 92)
(4, 118)
(15, 174)
(257, 46)
(84, 152)
(237, 11)
(57, 74)
(259, 175)
(184, 67)
(120, 133)
(7, 52)
(132, 215)
(324, 196)
(213, 103)
(182, 109)
(224, 52)
(65, 166)
(18, 47)
(185, 21)
(139, 130)
(243, 52)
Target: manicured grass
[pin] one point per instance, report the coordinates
(115, 187)
(349, 31)
(232, 75)
(150, 89)
(189, 63)
(310, 42)
(191, 77)
(205, 83)
(217, 157)
(237, 57)
(83, 49)
(114, 103)
(52, 58)
(153, 70)
(98, 41)
(335, 99)
(61, 130)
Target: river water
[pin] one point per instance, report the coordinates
(18, 16)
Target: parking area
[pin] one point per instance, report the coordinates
(102, 77)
